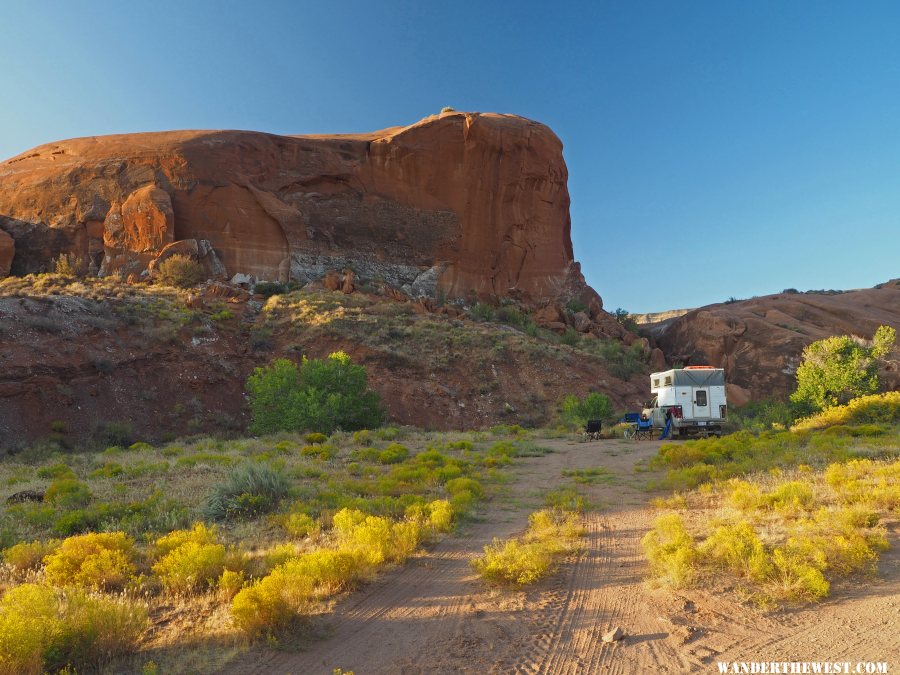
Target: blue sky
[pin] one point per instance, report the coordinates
(715, 149)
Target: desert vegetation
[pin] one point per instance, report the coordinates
(552, 533)
(783, 514)
(259, 532)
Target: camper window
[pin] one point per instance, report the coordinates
(701, 398)
(656, 382)
(668, 380)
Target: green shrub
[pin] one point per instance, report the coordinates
(230, 584)
(482, 312)
(393, 454)
(198, 534)
(113, 434)
(249, 489)
(26, 556)
(323, 452)
(108, 470)
(97, 560)
(792, 577)
(321, 395)
(840, 368)
(457, 485)
(70, 265)
(792, 495)
(737, 549)
(56, 471)
(670, 550)
(300, 525)
(42, 630)
(68, 493)
(557, 528)
(437, 515)
(513, 562)
(594, 406)
(191, 566)
(269, 288)
(874, 409)
(180, 271)
(375, 539)
(290, 590)
(280, 555)
(316, 438)
(551, 533)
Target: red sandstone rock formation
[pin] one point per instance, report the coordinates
(759, 342)
(459, 204)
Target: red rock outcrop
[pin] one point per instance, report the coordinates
(759, 342)
(458, 204)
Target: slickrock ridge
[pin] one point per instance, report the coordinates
(759, 341)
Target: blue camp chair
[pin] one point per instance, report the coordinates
(641, 429)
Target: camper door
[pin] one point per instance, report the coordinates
(701, 402)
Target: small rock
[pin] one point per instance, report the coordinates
(614, 635)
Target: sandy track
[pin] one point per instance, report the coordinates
(434, 615)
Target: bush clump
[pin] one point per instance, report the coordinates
(393, 454)
(189, 560)
(29, 555)
(521, 561)
(514, 562)
(180, 271)
(68, 493)
(594, 406)
(97, 560)
(875, 409)
(45, 630)
(248, 490)
(321, 395)
(670, 550)
(840, 368)
(291, 590)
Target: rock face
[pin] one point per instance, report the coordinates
(460, 204)
(759, 342)
(7, 252)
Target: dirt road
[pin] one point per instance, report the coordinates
(434, 615)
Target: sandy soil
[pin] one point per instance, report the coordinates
(435, 615)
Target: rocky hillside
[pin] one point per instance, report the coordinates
(759, 341)
(458, 205)
(93, 359)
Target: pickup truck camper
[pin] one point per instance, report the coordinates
(689, 401)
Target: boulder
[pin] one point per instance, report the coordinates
(614, 635)
(333, 281)
(658, 360)
(556, 327)
(347, 285)
(552, 313)
(581, 322)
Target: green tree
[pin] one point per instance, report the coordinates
(838, 369)
(592, 407)
(318, 395)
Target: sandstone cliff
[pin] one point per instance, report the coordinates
(759, 342)
(459, 204)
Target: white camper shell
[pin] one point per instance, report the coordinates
(694, 398)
